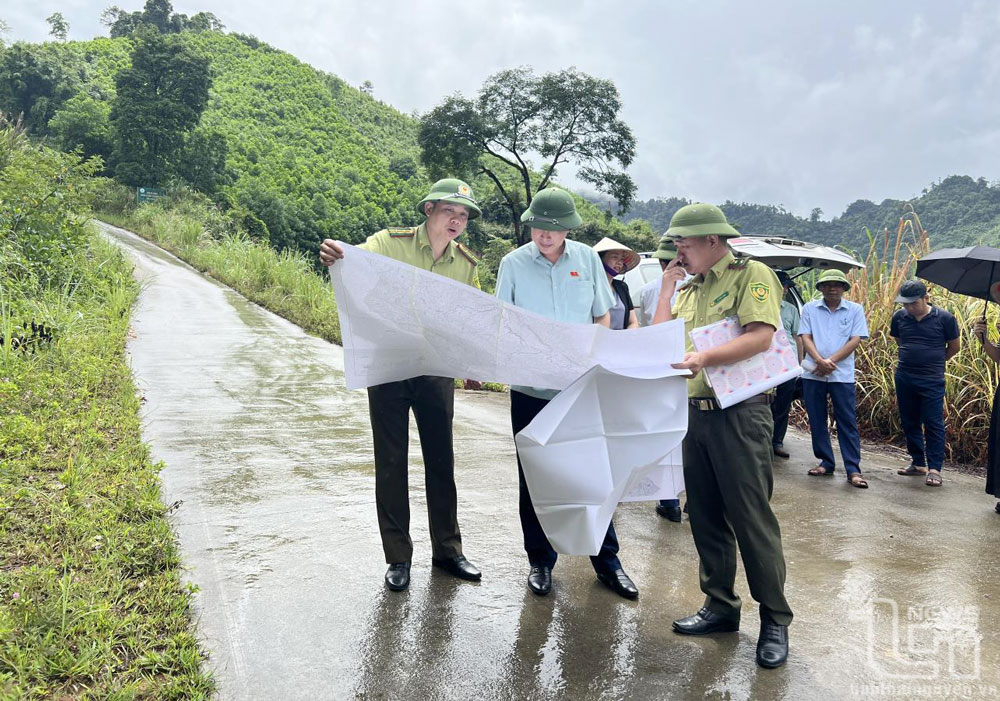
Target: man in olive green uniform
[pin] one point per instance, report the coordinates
(430, 246)
(727, 452)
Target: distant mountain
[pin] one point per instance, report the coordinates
(957, 211)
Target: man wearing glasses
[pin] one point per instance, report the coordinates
(431, 246)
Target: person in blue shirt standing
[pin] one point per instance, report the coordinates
(785, 392)
(831, 328)
(927, 336)
(564, 281)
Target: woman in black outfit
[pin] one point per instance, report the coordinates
(993, 447)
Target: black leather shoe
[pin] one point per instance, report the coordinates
(781, 452)
(540, 580)
(397, 577)
(671, 513)
(772, 645)
(459, 567)
(619, 583)
(705, 622)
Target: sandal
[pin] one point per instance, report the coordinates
(912, 470)
(856, 480)
(820, 471)
(933, 479)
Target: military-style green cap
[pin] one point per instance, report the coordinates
(833, 276)
(667, 250)
(451, 190)
(552, 209)
(700, 219)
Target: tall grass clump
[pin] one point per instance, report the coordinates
(191, 227)
(970, 378)
(91, 599)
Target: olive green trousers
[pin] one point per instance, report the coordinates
(727, 473)
(432, 400)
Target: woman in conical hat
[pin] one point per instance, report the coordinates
(618, 259)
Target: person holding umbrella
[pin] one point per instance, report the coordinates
(992, 351)
(975, 272)
(927, 337)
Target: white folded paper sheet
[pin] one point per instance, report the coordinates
(612, 434)
(747, 378)
(602, 438)
(398, 321)
(665, 481)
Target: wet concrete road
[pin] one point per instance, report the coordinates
(270, 459)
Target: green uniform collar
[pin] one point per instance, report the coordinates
(424, 241)
(721, 266)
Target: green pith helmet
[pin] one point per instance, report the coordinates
(667, 250)
(451, 190)
(700, 219)
(833, 276)
(552, 209)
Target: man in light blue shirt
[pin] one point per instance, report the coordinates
(831, 328)
(785, 392)
(564, 281)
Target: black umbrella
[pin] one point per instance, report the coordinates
(968, 271)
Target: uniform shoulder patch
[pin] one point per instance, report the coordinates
(738, 264)
(760, 291)
(401, 231)
(467, 252)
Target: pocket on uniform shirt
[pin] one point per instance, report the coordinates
(723, 310)
(580, 300)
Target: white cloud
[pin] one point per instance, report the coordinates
(801, 104)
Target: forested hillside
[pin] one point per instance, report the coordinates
(957, 211)
(289, 153)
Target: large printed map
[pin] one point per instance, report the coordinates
(612, 435)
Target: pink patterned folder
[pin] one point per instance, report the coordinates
(734, 383)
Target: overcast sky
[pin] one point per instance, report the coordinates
(800, 104)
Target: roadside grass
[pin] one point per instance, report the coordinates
(92, 605)
(970, 377)
(285, 283)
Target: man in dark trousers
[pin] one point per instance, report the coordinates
(431, 246)
(562, 280)
(785, 392)
(727, 452)
(927, 336)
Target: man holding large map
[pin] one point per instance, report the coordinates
(565, 281)
(430, 246)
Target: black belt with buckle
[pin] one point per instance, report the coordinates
(710, 403)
